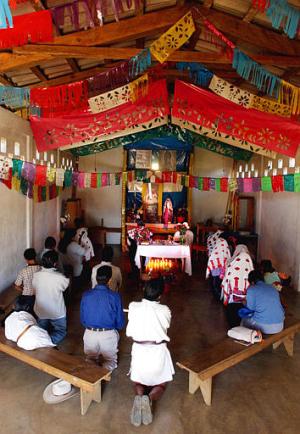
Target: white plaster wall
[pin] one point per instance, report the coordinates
(105, 202)
(209, 204)
(23, 224)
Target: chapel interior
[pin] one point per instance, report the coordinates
(109, 121)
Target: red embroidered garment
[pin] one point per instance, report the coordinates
(33, 27)
(66, 130)
(214, 112)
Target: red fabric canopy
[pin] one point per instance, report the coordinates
(203, 108)
(52, 133)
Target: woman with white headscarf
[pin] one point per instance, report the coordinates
(235, 284)
(216, 265)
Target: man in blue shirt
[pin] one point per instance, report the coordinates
(101, 314)
(264, 301)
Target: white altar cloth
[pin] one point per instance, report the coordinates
(165, 251)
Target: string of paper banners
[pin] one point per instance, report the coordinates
(40, 182)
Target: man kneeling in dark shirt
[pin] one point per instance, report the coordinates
(101, 314)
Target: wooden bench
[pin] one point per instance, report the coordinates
(205, 364)
(74, 369)
(8, 298)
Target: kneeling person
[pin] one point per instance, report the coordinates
(151, 363)
(49, 285)
(101, 314)
(264, 301)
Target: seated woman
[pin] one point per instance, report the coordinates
(235, 284)
(270, 275)
(264, 301)
(217, 261)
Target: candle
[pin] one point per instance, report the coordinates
(266, 172)
(37, 155)
(270, 165)
(280, 164)
(274, 172)
(256, 173)
(243, 174)
(52, 158)
(252, 167)
(297, 169)
(249, 174)
(285, 170)
(240, 168)
(246, 168)
(237, 174)
(292, 162)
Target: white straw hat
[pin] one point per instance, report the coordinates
(59, 391)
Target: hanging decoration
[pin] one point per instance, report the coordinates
(247, 99)
(211, 111)
(65, 97)
(72, 11)
(256, 74)
(197, 72)
(281, 14)
(289, 94)
(213, 133)
(14, 97)
(58, 132)
(167, 131)
(226, 42)
(6, 19)
(116, 97)
(28, 28)
(173, 39)
(5, 166)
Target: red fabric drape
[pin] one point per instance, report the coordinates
(33, 27)
(203, 108)
(67, 130)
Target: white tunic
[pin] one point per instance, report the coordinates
(150, 364)
(34, 337)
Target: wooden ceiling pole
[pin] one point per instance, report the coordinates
(250, 33)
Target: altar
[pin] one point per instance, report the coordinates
(163, 251)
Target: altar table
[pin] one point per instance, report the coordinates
(175, 251)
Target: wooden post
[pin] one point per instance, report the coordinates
(123, 211)
(190, 191)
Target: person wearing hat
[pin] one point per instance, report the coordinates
(101, 313)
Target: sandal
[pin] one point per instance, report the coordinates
(146, 410)
(136, 412)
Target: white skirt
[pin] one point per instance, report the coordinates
(151, 364)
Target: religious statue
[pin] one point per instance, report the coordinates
(168, 211)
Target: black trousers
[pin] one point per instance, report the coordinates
(232, 316)
(132, 248)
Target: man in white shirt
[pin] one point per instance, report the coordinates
(49, 306)
(115, 282)
(151, 363)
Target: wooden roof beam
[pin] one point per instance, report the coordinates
(125, 30)
(39, 73)
(115, 53)
(266, 39)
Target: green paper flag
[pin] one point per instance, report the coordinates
(288, 182)
(266, 183)
(217, 184)
(297, 182)
(98, 180)
(200, 183)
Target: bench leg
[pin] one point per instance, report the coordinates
(277, 344)
(205, 387)
(87, 397)
(194, 383)
(288, 343)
